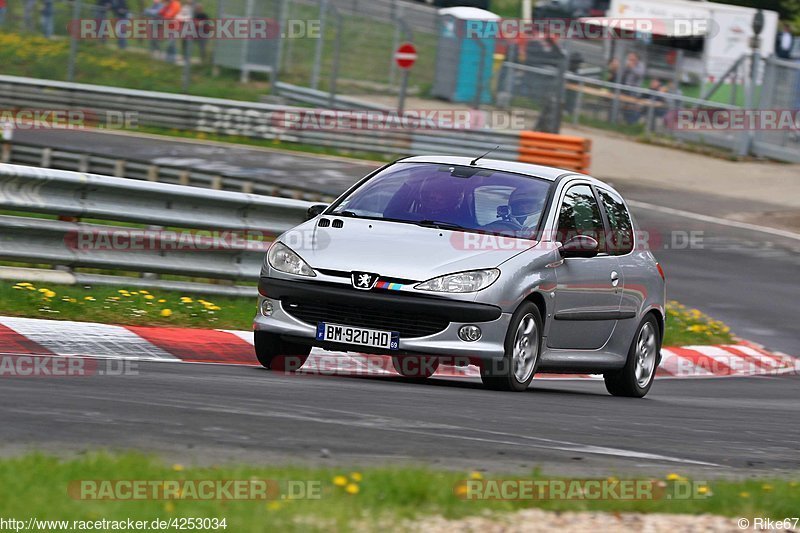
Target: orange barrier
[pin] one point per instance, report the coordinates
(564, 151)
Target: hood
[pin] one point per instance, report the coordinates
(397, 250)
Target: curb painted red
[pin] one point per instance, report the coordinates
(27, 336)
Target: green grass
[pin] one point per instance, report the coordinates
(142, 307)
(370, 498)
(126, 306)
(100, 64)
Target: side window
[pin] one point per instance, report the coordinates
(580, 215)
(620, 241)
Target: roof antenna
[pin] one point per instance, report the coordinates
(474, 161)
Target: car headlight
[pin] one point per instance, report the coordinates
(283, 259)
(472, 281)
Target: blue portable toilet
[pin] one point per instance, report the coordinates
(466, 34)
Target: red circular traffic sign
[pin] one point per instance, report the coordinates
(405, 55)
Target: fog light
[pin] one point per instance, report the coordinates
(266, 308)
(469, 333)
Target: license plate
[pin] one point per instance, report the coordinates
(388, 340)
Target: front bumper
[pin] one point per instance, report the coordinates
(492, 321)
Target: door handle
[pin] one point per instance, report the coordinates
(614, 279)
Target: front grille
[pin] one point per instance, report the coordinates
(407, 324)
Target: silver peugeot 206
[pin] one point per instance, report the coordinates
(516, 268)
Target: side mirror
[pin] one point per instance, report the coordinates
(580, 246)
(315, 210)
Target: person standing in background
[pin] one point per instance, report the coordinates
(2, 11)
(119, 10)
(152, 12)
(784, 43)
(201, 21)
(28, 14)
(169, 14)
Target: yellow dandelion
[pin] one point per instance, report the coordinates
(43, 290)
(89, 298)
(673, 477)
(148, 296)
(744, 494)
(475, 475)
(177, 467)
(144, 291)
(166, 312)
(134, 292)
(356, 476)
(703, 490)
(169, 507)
(215, 308)
(122, 291)
(186, 299)
(273, 506)
(460, 490)
(766, 487)
(340, 481)
(19, 287)
(49, 294)
(162, 300)
(25, 284)
(352, 488)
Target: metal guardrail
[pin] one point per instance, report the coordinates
(248, 119)
(220, 234)
(18, 153)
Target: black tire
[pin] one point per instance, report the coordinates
(415, 367)
(277, 354)
(624, 382)
(501, 374)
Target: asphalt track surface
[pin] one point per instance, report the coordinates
(713, 427)
(214, 413)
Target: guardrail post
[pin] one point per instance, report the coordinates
(216, 182)
(247, 187)
(152, 173)
(47, 156)
(5, 157)
(83, 163)
(183, 177)
(119, 168)
(576, 112)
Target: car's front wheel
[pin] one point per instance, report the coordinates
(277, 354)
(522, 347)
(636, 378)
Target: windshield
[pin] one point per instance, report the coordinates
(451, 197)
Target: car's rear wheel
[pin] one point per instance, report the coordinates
(277, 354)
(522, 347)
(415, 367)
(636, 378)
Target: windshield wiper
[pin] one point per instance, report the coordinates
(439, 225)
